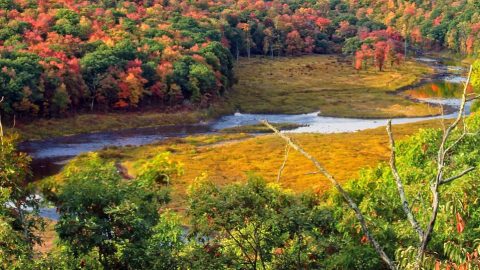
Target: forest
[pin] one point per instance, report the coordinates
(89, 179)
(63, 57)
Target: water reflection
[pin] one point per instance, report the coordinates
(438, 89)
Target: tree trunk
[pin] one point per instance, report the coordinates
(406, 46)
(237, 50)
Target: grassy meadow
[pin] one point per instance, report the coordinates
(326, 83)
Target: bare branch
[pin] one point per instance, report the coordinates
(472, 96)
(459, 139)
(287, 149)
(351, 203)
(439, 177)
(401, 191)
(460, 111)
(450, 179)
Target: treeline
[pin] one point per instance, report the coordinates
(113, 221)
(61, 57)
(428, 24)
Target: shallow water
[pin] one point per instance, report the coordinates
(69, 146)
(449, 87)
(314, 123)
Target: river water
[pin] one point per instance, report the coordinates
(50, 155)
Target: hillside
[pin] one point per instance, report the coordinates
(63, 57)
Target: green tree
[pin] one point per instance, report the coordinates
(20, 82)
(351, 45)
(202, 77)
(67, 22)
(116, 219)
(19, 220)
(256, 226)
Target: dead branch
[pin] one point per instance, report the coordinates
(442, 152)
(336, 184)
(459, 139)
(450, 179)
(287, 149)
(473, 98)
(401, 191)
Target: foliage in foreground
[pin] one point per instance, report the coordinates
(247, 225)
(111, 221)
(116, 219)
(455, 239)
(18, 207)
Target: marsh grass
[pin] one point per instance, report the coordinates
(228, 158)
(326, 83)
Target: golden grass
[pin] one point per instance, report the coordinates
(325, 83)
(229, 158)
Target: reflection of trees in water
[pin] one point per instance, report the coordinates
(440, 89)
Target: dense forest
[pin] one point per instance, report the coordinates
(62, 57)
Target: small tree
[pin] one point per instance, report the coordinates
(117, 219)
(18, 225)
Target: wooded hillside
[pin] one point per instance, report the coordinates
(61, 57)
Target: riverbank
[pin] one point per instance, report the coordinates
(98, 122)
(292, 85)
